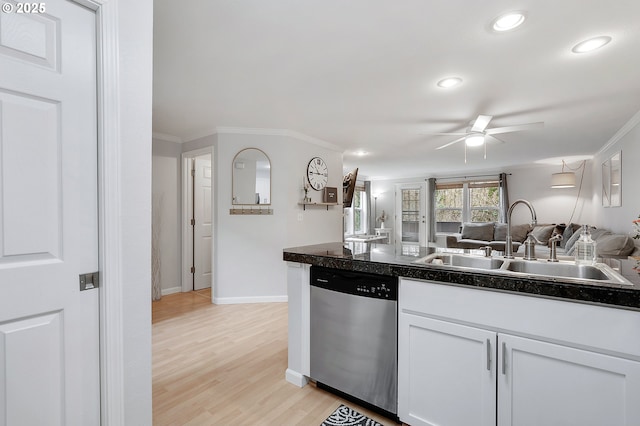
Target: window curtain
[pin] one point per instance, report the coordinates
(367, 198)
(504, 197)
(431, 209)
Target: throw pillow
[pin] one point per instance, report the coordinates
(568, 233)
(543, 233)
(478, 231)
(500, 232)
(519, 232)
(614, 245)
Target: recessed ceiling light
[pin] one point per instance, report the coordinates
(449, 82)
(361, 153)
(591, 44)
(508, 21)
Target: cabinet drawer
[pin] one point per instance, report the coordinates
(604, 329)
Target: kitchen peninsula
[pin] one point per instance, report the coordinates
(504, 347)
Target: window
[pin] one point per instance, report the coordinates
(469, 201)
(355, 217)
(410, 215)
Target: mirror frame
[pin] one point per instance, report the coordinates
(233, 162)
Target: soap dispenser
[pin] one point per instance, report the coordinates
(585, 251)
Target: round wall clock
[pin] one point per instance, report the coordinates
(317, 173)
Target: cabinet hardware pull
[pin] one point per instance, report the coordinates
(504, 358)
(488, 354)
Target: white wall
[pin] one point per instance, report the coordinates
(533, 183)
(135, 49)
(167, 210)
(248, 263)
(627, 141)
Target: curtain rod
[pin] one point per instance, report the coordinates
(474, 176)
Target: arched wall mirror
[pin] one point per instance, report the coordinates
(251, 178)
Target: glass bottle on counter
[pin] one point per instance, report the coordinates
(585, 252)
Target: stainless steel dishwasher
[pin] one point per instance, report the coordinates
(354, 339)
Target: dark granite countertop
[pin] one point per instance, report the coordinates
(394, 260)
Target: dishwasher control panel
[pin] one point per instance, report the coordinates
(356, 283)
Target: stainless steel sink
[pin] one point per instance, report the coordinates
(598, 272)
(563, 270)
(461, 261)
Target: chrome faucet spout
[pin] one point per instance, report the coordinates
(508, 251)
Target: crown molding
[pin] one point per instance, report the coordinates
(228, 130)
(629, 125)
(167, 138)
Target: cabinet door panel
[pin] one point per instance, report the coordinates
(548, 384)
(447, 373)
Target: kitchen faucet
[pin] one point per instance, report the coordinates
(508, 252)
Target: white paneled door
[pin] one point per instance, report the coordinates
(202, 229)
(49, 329)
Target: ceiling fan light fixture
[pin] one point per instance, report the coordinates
(563, 180)
(591, 44)
(508, 21)
(474, 139)
(449, 82)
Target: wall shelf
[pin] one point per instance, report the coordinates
(304, 205)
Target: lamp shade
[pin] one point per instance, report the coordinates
(563, 180)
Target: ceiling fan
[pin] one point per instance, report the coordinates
(477, 133)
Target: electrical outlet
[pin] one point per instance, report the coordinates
(300, 217)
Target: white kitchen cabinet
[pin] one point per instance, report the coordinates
(443, 362)
(541, 383)
(477, 357)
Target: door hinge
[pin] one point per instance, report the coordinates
(89, 281)
(193, 172)
(193, 269)
(193, 222)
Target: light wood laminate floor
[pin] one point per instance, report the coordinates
(225, 365)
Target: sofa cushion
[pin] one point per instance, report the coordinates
(614, 245)
(595, 234)
(478, 231)
(518, 232)
(543, 232)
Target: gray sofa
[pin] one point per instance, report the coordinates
(483, 234)
(608, 244)
(477, 235)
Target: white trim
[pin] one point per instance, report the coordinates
(629, 125)
(165, 137)
(171, 290)
(109, 144)
(296, 378)
(187, 244)
(252, 299)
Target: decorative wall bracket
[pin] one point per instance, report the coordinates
(251, 211)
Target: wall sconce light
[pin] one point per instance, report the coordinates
(563, 179)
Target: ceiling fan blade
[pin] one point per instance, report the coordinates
(509, 129)
(451, 143)
(498, 139)
(445, 134)
(481, 123)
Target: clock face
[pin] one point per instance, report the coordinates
(317, 173)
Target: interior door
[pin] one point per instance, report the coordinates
(49, 335)
(411, 220)
(202, 229)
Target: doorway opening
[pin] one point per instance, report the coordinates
(197, 220)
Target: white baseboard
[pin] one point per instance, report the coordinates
(171, 290)
(258, 299)
(296, 378)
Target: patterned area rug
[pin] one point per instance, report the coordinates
(345, 416)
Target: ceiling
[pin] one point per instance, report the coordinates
(361, 75)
